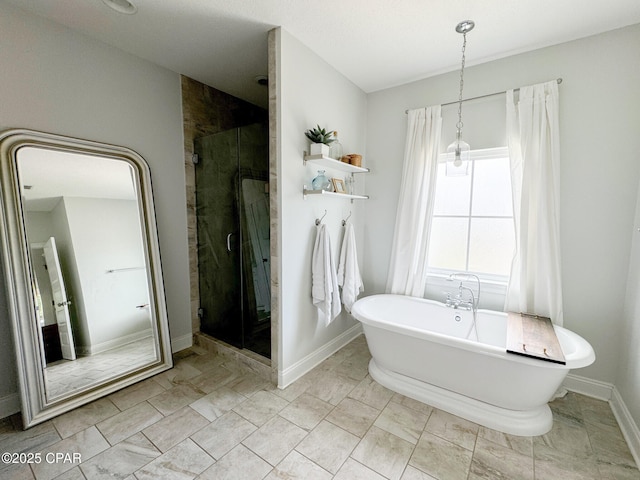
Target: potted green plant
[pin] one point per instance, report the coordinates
(320, 140)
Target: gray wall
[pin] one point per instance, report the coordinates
(600, 171)
(62, 82)
(341, 108)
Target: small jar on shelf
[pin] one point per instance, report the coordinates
(321, 182)
(335, 148)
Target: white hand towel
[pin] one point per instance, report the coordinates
(324, 283)
(348, 272)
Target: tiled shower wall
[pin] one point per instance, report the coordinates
(206, 111)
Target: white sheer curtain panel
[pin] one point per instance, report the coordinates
(533, 135)
(408, 266)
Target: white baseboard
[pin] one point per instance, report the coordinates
(289, 375)
(609, 393)
(111, 344)
(9, 405)
(180, 343)
(628, 426)
(589, 387)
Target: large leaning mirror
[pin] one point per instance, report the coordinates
(82, 270)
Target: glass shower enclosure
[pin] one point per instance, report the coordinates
(232, 209)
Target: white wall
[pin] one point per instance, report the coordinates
(311, 93)
(106, 236)
(62, 82)
(600, 145)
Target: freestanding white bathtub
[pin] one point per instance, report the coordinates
(419, 349)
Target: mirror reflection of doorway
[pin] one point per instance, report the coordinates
(232, 205)
(55, 320)
(60, 300)
(82, 220)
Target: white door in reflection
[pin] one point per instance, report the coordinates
(60, 300)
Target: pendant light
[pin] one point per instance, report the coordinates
(458, 153)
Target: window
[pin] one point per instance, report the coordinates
(472, 228)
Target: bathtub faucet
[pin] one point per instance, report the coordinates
(458, 301)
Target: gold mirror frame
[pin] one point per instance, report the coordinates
(18, 275)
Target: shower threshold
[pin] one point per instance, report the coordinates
(258, 364)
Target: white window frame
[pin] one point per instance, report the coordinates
(494, 282)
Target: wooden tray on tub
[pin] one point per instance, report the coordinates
(533, 336)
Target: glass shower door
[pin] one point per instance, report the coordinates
(233, 237)
(218, 231)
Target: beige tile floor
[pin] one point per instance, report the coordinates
(208, 419)
(66, 375)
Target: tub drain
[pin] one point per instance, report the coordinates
(458, 318)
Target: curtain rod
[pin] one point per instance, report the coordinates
(559, 80)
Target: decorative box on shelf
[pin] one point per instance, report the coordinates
(329, 162)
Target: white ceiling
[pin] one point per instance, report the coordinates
(375, 43)
(48, 175)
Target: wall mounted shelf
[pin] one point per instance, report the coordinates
(332, 163)
(306, 192)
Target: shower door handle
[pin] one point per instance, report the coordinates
(229, 242)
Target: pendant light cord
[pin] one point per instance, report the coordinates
(460, 124)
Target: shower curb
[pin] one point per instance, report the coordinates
(257, 364)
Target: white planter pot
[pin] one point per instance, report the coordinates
(319, 149)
